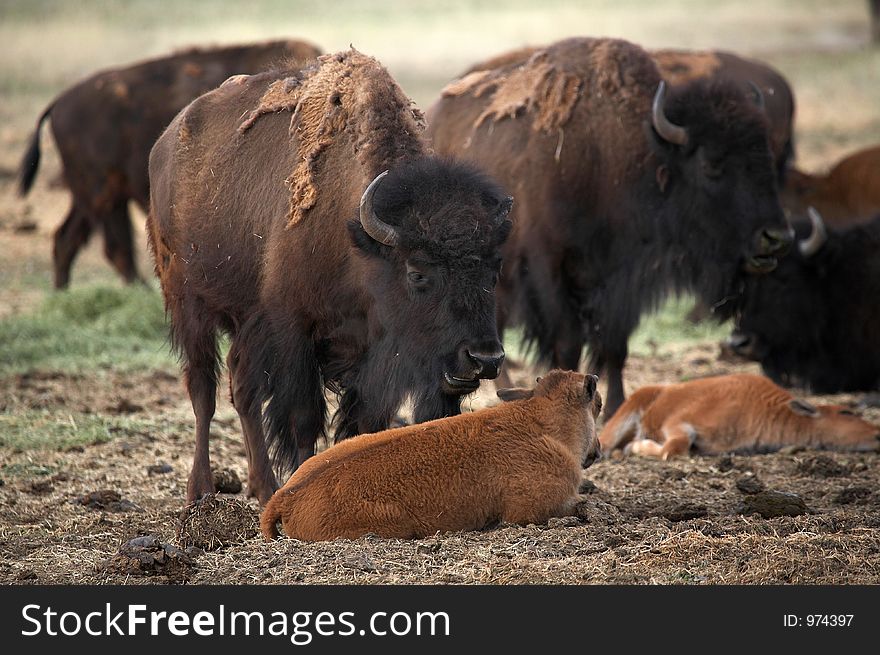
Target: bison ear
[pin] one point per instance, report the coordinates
(662, 176)
(515, 394)
(364, 242)
(803, 408)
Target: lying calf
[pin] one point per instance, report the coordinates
(518, 462)
(730, 413)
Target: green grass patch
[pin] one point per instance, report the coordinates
(43, 430)
(26, 470)
(88, 328)
(669, 329)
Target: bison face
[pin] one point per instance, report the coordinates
(810, 322)
(430, 233)
(717, 179)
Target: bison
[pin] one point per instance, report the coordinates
(848, 193)
(740, 413)
(301, 212)
(519, 462)
(105, 126)
(625, 192)
(813, 322)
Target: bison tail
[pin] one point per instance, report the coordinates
(31, 160)
(269, 520)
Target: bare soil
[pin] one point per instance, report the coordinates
(69, 517)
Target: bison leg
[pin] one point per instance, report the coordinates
(247, 401)
(297, 410)
(678, 439)
(610, 361)
(644, 448)
(119, 242)
(69, 238)
(195, 334)
(201, 384)
(351, 419)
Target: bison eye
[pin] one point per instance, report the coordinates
(418, 279)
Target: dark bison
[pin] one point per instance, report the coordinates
(624, 192)
(848, 193)
(682, 66)
(756, 77)
(813, 322)
(105, 126)
(256, 230)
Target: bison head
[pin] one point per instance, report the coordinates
(716, 175)
(430, 232)
(812, 321)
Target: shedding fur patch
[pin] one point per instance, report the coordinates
(347, 93)
(679, 67)
(550, 82)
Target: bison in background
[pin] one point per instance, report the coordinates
(256, 230)
(105, 126)
(519, 462)
(624, 192)
(814, 322)
(730, 413)
(848, 193)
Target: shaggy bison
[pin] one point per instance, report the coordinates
(625, 191)
(730, 413)
(813, 322)
(256, 230)
(105, 126)
(519, 462)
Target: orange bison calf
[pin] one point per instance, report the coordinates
(730, 413)
(518, 462)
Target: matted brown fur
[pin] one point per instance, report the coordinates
(547, 91)
(518, 462)
(324, 102)
(730, 413)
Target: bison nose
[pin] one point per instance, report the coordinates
(776, 241)
(488, 363)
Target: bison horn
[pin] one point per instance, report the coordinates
(372, 224)
(818, 236)
(759, 96)
(670, 131)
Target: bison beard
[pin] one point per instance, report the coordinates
(625, 194)
(255, 230)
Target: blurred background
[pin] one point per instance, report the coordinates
(823, 48)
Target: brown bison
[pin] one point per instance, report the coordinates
(625, 191)
(256, 230)
(813, 322)
(105, 126)
(519, 462)
(730, 413)
(847, 194)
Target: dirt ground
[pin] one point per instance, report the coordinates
(69, 518)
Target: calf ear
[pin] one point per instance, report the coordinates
(803, 408)
(590, 383)
(515, 394)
